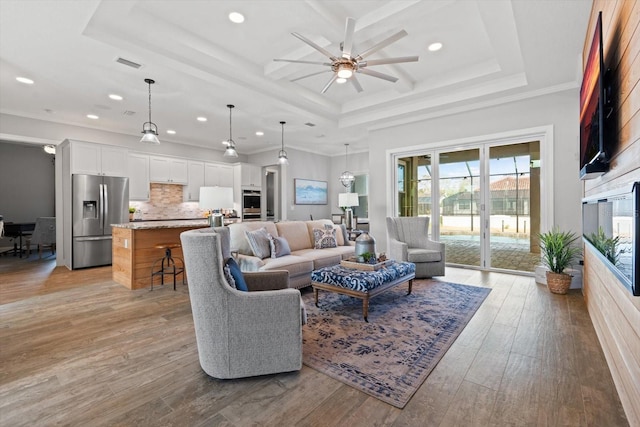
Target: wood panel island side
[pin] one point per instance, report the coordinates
(134, 250)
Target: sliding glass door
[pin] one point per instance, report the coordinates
(486, 200)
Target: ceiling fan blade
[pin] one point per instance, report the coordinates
(309, 75)
(348, 38)
(377, 74)
(320, 49)
(388, 61)
(386, 42)
(303, 62)
(355, 83)
(333, 79)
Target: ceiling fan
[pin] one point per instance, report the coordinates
(346, 65)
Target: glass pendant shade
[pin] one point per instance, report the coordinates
(347, 178)
(231, 146)
(282, 155)
(149, 129)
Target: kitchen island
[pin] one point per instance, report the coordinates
(134, 248)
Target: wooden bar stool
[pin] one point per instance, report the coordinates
(167, 265)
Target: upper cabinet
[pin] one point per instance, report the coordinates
(138, 176)
(250, 175)
(97, 159)
(196, 180)
(218, 175)
(168, 170)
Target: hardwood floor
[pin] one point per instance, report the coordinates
(78, 349)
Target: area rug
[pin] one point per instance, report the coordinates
(407, 335)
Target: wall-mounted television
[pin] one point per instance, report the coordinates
(593, 155)
(611, 225)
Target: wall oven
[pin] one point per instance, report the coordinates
(251, 205)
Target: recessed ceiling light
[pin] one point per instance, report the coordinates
(24, 80)
(433, 47)
(93, 116)
(115, 97)
(236, 17)
(202, 119)
(171, 131)
(341, 80)
(259, 133)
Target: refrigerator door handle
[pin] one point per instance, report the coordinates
(105, 209)
(101, 207)
(92, 239)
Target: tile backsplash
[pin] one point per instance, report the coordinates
(166, 202)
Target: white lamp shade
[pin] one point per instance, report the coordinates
(216, 198)
(348, 199)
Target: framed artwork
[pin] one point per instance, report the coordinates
(310, 192)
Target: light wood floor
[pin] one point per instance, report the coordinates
(78, 349)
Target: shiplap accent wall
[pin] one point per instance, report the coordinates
(614, 311)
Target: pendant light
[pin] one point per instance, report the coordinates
(347, 178)
(231, 146)
(282, 155)
(149, 129)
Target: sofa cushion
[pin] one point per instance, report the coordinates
(295, 265)
(236, 274)
(324, 238)
(279, 246)
(296, 234)
(423, 255)
(320, 258)
(259, 242)
(345, 252)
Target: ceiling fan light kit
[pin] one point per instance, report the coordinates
(346, 65)
(149, 129)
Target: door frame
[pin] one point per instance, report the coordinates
(544, 134)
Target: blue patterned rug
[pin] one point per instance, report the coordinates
(407, 335)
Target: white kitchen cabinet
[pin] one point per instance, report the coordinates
(195, 171)
(97, 159)
(168, 170)
(251, 175)
(138, 177)
(218, 175)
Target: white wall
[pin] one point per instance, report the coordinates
(559, 110)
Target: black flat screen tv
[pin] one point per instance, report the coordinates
(593, 156)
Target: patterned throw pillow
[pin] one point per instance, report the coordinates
(227, 275)
(279, 246)
(234, 270)
(324, 238)
(259, 242)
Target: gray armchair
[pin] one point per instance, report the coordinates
(44, 234)
(240, 334)
(408, 240)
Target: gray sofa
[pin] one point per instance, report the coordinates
(240, 334)
(299, 235)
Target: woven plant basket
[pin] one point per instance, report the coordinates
(558, 283)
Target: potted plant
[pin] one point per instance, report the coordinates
(131, 212)
(558, 252)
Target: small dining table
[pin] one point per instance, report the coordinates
(19, 230)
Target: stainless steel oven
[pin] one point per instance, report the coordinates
(251, 205)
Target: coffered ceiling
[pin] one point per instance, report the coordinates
(493, 52)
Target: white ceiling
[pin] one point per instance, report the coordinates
(494, 51)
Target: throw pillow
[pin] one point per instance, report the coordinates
(259, 242)
(324, 238)
(227, 275)
(279, 246)
(234, 270)
(345, 234)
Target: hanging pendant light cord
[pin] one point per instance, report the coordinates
(149, 101)
(230, 137)
(282, 123)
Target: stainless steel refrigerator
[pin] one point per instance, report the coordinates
(98, 202)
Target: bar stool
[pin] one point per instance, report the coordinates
(167, 265)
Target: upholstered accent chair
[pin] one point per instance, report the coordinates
(44, 234)
(408, 240)
(240, 334)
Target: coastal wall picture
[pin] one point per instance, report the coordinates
(310, 192)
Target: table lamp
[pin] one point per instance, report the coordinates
(348, 200)
(214, 199)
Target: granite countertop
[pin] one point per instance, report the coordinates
(148, 225)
